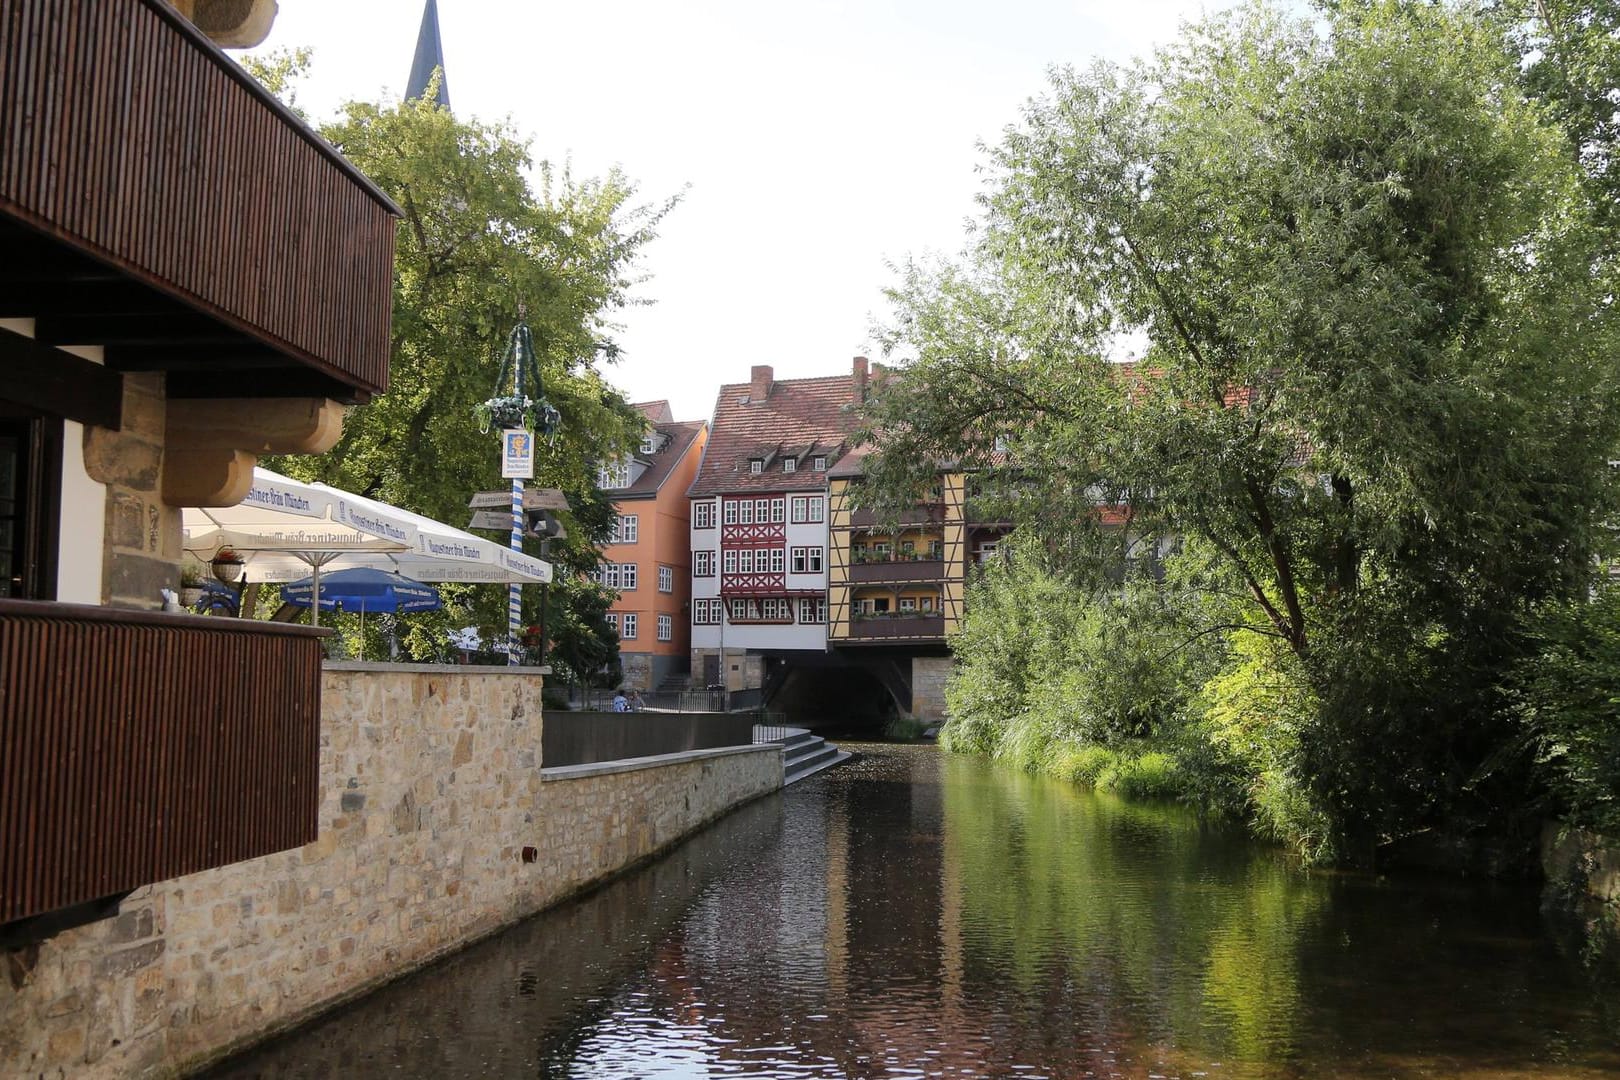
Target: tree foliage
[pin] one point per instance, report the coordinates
(478, 246)
(1375, 392)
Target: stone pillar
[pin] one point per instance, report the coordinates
(141, 552)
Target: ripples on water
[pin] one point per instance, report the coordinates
(916, 915)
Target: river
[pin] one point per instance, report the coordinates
(919, 915)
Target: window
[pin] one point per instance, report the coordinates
(807, 560)
(730, 512)
(774, 607)
(745, 561)
(666, 628)
(627, 575)
(613, 475)
(744, 610)
(30, 463)
(608, 575)
(649, 445)
(762, 507)
(812, 609)
(936, 549)
(629, 631)
(756, 466)
(790, 465)
(987, 551)
(778, 507)
(706, 612)
(613, 621)
(808, 509)
(745, 512)
(703, 515)
(926, 603)
(819, 464)
(703, 564)
(666, 579)
(777, 557)
(730, 561)
(908, 604)
(626, 527)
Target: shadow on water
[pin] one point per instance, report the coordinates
(916, 914)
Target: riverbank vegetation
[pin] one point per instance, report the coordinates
(1321, 556)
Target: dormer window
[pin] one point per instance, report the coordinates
(649, 445)
(756, 465)
(789, 465)
(818, 463)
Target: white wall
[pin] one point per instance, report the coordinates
(83, 524)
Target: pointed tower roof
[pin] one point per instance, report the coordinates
(429, 55)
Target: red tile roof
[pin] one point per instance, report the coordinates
(797, 418)
(658, 412)
(661, 463)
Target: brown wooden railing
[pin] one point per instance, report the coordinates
(906, 570)
(135, 747)
(129, 136)
(891, 626)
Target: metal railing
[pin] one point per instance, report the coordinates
(675, 701)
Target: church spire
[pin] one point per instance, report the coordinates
(429, 55)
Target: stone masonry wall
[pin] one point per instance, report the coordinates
(436, 828)
(928, 675)
(142, 543)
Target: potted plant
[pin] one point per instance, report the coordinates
(191, 584)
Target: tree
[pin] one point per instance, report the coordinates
(477, 245)
(1375, 386)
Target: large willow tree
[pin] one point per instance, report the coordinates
(1374, 394)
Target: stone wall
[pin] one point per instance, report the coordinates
(1583, 877)
(142, 544)
(437, 827)
(928, 675)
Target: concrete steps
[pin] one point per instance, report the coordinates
(804, 754)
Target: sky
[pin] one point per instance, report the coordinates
(814, 145)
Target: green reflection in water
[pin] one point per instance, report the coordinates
(1195, 933)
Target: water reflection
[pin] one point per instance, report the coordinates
(917, 915)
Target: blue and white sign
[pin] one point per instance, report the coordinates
(517, 454)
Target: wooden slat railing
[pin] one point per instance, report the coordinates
(136, 747)
(125, 133)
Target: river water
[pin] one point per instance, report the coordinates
(912, 914)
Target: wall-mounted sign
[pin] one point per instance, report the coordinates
(517, 454)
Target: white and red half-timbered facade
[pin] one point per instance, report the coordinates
(759, 522)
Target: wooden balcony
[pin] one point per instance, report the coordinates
(881, 572)
(921, 514)
(893, 628)
(136, 747)
(156, 201)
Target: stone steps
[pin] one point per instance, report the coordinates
(804, 754)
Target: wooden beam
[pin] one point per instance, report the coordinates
(59, 383)
(161, 329)
(269, 383)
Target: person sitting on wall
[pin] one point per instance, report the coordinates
(635, 702)
(620, 702)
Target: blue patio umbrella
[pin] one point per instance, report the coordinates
(363, 589)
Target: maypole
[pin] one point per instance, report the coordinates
(519, 417)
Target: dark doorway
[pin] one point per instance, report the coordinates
(30, 477)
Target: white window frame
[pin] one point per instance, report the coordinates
(728, 561)
(745, 561)
(729, 507)
(778, 511)
(703, 563)
(790, 465)
(703, 515)
(626, 529)
(666, 628)
(666, 579)
(745, 512)
(627, 577)
(613, 475)
(762, 509)
(756, 465)
(649, 445)
(613, 620)
(778, 560)
(629, 631)
(819, 463)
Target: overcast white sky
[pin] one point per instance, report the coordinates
(821, 140)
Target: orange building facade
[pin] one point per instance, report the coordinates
(649, 560)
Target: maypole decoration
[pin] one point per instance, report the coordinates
(518, 417)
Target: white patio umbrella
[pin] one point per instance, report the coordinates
(283, 521)
(440, 553)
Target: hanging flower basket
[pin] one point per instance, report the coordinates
(512, 411)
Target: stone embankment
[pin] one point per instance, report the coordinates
(1583, 877)
(438, 826)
